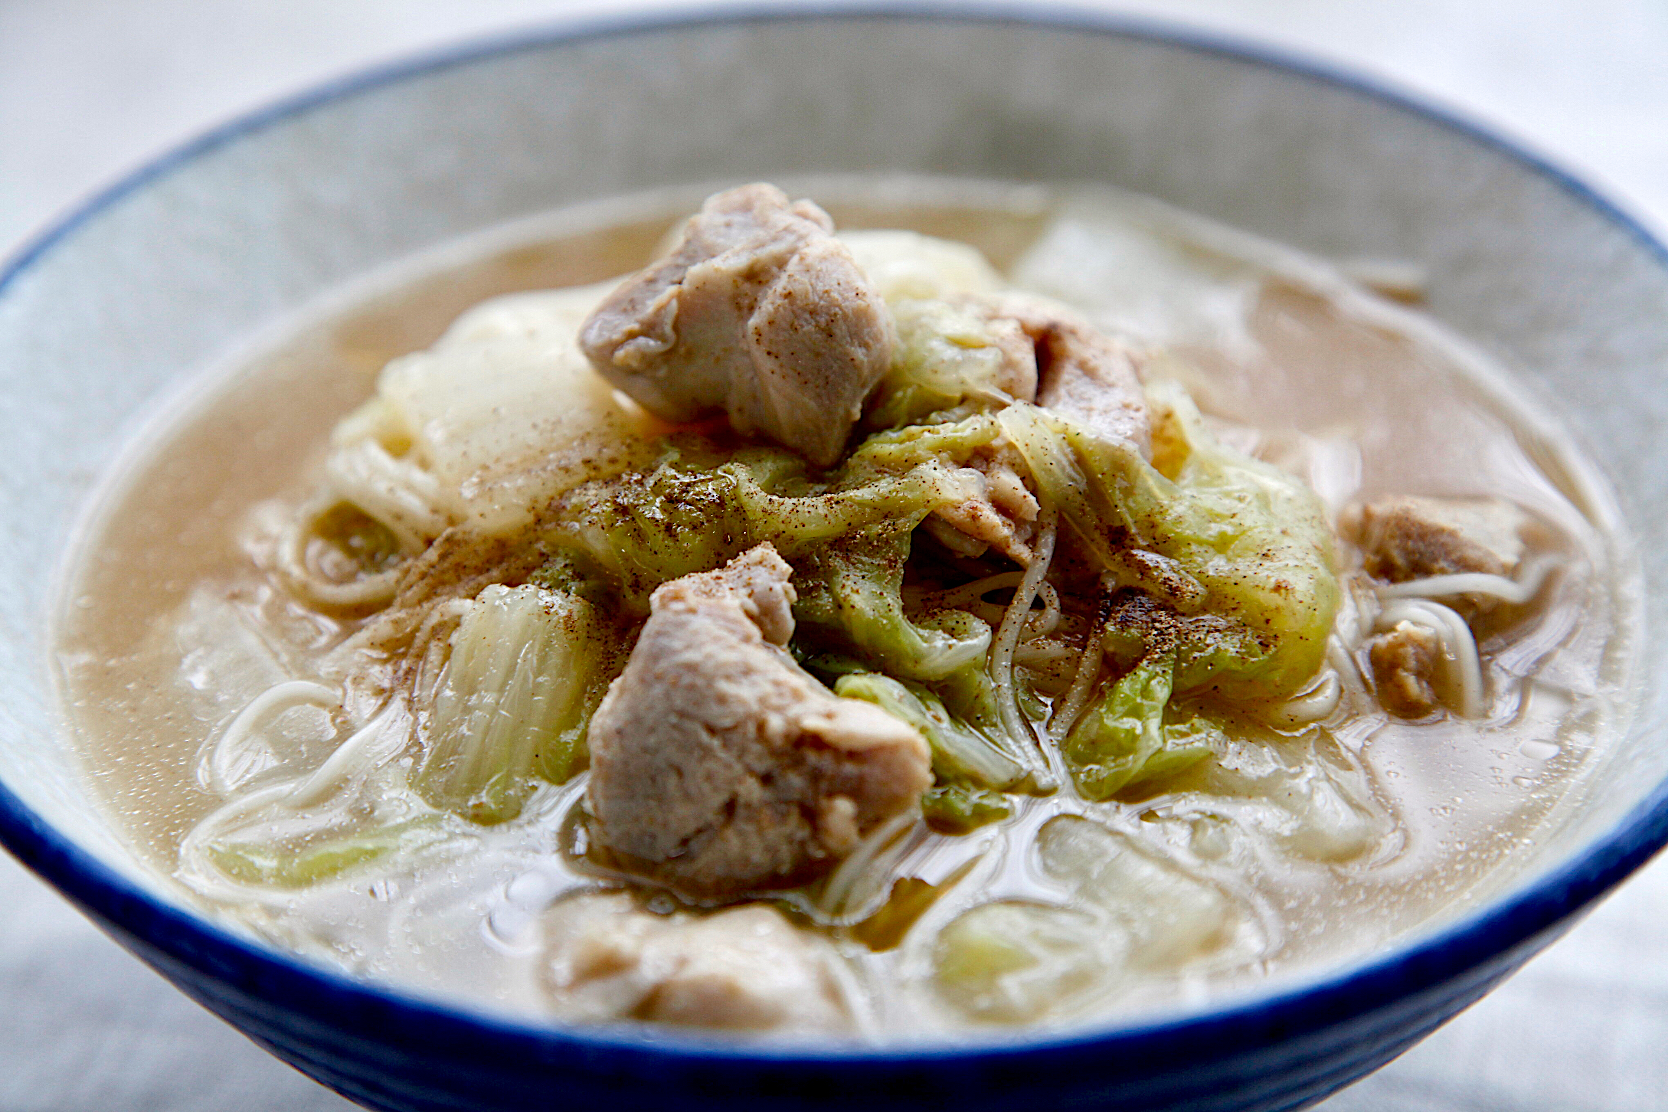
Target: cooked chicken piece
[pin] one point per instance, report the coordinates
(999, 512)
(1405, 660)
(744, 969)
(1407, 537)
(718, 765)
(1052, 357)
(1079, 372)
(758, 311)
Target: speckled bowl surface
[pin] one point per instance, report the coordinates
(167, 273)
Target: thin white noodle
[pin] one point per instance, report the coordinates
(1082, 684)
(1043, 654)
(869, 856)
(340, 764)
(1347, 669)
(266, 706)
(857, 997)
(239, 808)
(990, 613)
(228, 813)
(1356, 617)
(367, 590)
(197, 869)
(1459, 649)
(444, 612)
(1515, 591)
(971, 597)
(1001, 661)
(430, 669)
(1359, 609)
(969, 593)
(1041, 625)
(397, 493)
(1314, 704)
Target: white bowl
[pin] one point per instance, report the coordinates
(172, 271)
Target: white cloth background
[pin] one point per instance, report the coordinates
(89, 88)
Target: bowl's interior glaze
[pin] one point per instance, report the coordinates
(172, 275)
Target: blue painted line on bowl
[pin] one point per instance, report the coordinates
(1446, 960)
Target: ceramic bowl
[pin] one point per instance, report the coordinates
(165, 274)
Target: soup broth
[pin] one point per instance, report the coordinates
(1297, 842)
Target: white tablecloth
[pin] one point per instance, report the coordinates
(89, 88)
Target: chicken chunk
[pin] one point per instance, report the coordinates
(758, 311)
(746, 969)
(1063, 364)
(1409, 537)
(999, 512)
(1080, 373)
(718, 766)
(1405, 660)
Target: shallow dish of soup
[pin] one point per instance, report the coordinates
(861, 636)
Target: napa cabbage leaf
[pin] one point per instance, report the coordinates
(1131, 912)
(527, 667)
(848, 534)
(501, 414)
(947, 356)
(274, 864)
(1204, 530)
(1131, 735)
(961, 753)
(910, 266)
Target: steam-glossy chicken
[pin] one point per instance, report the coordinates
(760, 312)
(717, 765)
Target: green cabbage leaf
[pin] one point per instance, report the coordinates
(1205, 530)
(848, 534)
(961, 753)
(1127, 739)
(947, 357)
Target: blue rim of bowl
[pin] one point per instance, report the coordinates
(1429, 964)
